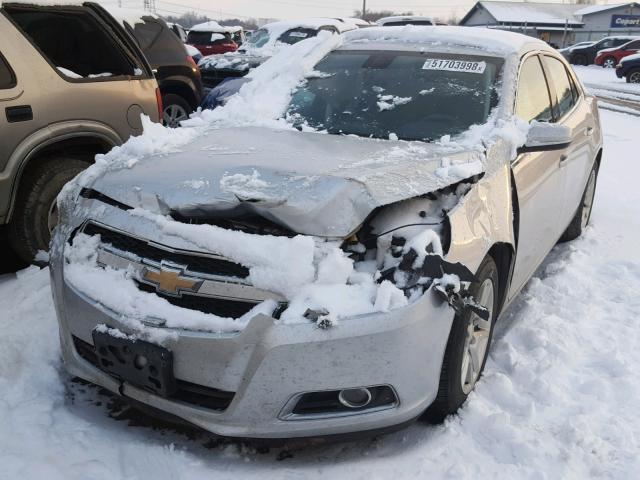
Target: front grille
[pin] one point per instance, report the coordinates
(187, 392)
(143, 249)
(216, 306)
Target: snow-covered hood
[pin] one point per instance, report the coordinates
(314, 184)
(239, 61)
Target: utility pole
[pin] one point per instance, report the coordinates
(364, 8)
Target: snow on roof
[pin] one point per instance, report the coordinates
(520, 12)
(404, 18)
(214, 27)
(130, 16)
(314, 23)
(601, 8)
(495, 41)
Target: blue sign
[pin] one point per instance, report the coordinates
(625, 21)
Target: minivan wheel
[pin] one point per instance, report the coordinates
(583, 214)
(175, 109)
(609, 62)
(35, 214)
(467, 346)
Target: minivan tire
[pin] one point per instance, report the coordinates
(451, 395)
(28, 231)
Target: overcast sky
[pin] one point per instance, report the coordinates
(305, 8)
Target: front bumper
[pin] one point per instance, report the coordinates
(268, 364)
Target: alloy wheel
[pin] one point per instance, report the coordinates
(634, 77)
(477, 340)
(609, 63)
(172, 115)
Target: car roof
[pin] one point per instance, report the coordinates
(404, 18)
(412, 37)
(311, 23)
(214, 27)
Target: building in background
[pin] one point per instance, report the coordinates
(559, 24)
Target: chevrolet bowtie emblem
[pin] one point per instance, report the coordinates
(170, 280)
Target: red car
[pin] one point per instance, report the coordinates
(610, 57)
(211, 43)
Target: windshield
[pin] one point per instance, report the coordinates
(259, 38)
(414, 96)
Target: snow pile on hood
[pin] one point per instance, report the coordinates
(263, 100)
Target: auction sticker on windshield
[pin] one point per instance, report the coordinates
(449, 65)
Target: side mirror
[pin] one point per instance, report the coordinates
(544, 137)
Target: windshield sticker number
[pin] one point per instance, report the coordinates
(448, 65)
(298, 34)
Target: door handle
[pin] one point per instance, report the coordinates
(588, 131)
(563, 158)
(20, 113)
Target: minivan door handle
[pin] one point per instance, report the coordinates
(20, 113)
(588, 131)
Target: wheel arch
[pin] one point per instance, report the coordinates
(503, 255)
(38, 148)
(181, 88)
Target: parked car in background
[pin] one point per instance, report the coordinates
(566, 51)
(610, 57)
(194, 53)
(212, 38)
(73, 84)
(273, 282)
(175, 70)
(179, 31)
(405, 20)
(586, 54)
(629, 68)
(263, 44)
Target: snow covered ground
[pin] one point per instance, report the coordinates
(600, 80)
(559, 398)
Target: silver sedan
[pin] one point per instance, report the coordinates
(450, 163)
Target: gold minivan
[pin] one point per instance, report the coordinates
(73, 84)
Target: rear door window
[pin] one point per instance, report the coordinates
(633, 45)
(533, 101)
(74, 42)
(296, 35)
(7, 79)
(560, 84)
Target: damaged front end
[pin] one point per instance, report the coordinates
(409, 241)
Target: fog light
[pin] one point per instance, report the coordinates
(355, 397)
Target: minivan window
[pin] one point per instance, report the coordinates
(7, 80)
(561, 84)
(73, 41)
(411, 96)
(533, 101)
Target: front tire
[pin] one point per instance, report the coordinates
(609, 62)
(35, 213)
(633, 76)
(467, 347)
(583, 214)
